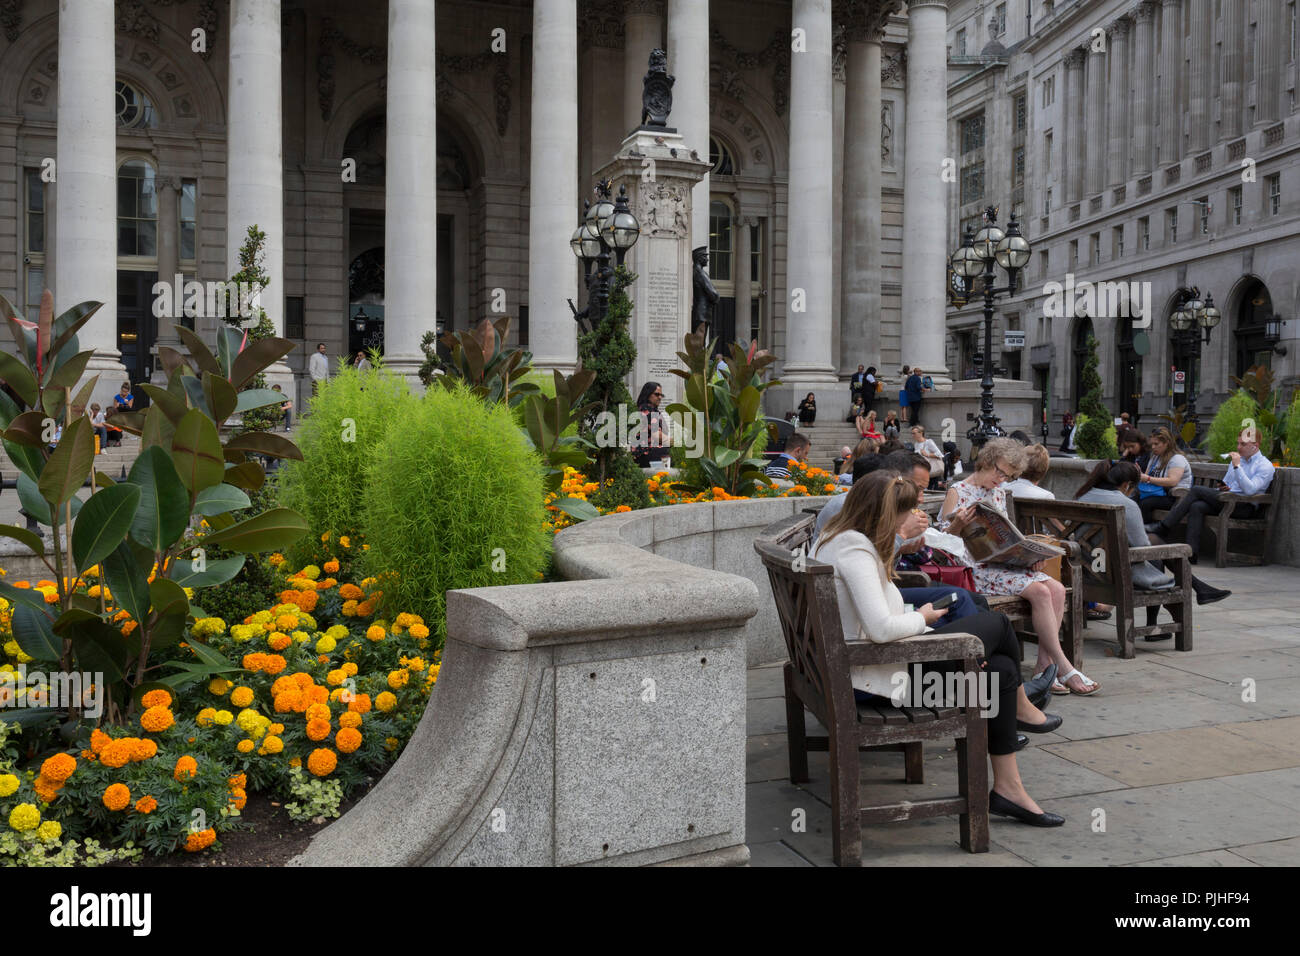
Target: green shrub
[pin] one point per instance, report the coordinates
(1228, 422)
(329, 483)
(624, 486)
(1103, 441)
(1291, 443)
(453, 499)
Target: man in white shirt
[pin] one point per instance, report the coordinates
(1249, 473)
(318, 367)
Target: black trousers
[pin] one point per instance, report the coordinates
(1194, 506)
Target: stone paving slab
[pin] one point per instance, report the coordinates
(1119, 715)
(1276, 853)
(1282, 787)
(1235, 666)
(1208, 858)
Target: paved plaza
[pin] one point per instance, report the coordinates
(1180, 769)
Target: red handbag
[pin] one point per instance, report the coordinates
(944, 569)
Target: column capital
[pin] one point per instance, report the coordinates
(600, 23)
(865, 20)
(1120, 27)
(1075, 57)
(1144, 12)
(1171, 3)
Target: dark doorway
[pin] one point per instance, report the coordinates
(1129, 397)
(136, 326)
(1251, 346)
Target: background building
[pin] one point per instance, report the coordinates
(1149, 142)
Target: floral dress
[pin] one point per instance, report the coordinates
(992, 578)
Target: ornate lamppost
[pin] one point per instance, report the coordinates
(1191, 315)
(975, 259)
(608, 226)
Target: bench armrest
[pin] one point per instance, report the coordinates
(1160, 552)
(914, 579)
(1261, 499)
(913, 650)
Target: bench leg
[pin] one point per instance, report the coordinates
(973, 783)
(796, 731)
(1124, 628)
(846, 813)
(1182, 614)
(1221, 544)
(913, 763)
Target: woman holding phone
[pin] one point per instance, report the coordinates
(859, 543)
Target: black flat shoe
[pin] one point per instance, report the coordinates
(1036, 686)
(1040, 700)
(1208, 595)
(1005, 808)
(1021, 742)
(1157, 637)
(1046, 727)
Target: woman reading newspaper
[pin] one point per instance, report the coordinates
(1002, 459)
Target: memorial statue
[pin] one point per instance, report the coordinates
(705, 295)
(657, 92)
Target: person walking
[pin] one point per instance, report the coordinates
(318, 367)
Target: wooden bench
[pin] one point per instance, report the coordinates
(1104, 566)
(817, 678)
(1260, 527)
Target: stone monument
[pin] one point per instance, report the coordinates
(659, 169)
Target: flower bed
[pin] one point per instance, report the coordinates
(318, 699)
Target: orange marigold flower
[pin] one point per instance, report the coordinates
(348, 740)
(238, 782)
(349, 719)
(367, 608)
(350, 592)
(360, 704)
(303, 680)
(156, 719)
(283, 685)
(146, 805)
(143, 749)
(314, 695)
(59, 768)
(117, 753)
(116, 796)
(238, 799)
(200, 841)
(46, 789)
(318, 712)
(331, 566)
(318, 729)
(157, 698)
(99, 740)
(288, 702)
(286, 622)
(254, 662)
(186, 768)
(274, 664)
(385, 702)
(322, 762)
(375, 633)
(279, 641)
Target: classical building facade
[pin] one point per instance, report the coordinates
(1148, 142)
(418, 165)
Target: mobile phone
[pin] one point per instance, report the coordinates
(944, 601)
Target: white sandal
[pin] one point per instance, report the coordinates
(1088, 682)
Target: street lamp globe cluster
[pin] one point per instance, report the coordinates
(607, 226)
(975, 258)
(1191, 316)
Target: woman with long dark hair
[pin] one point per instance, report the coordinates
(808, 410)
(1165, 470)
(655, 434)
(860, 543)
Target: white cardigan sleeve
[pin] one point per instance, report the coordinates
(859, 569)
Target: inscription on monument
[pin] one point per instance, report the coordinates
(663, 304)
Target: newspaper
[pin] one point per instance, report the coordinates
(991, 538)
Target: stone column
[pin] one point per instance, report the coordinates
(1232, 83)
(1095, 144)
(740, 275)
(86, 175)
(688, 60)
(553, 185)
(1273, 38)
(1143, 94)
(1171, 62)
(410, 189)
(1200, 79)
(809, 282)
(926, 243)
(643, 31)
(169, 188)
(1118, 135)
(254, 152)
(1072, 150)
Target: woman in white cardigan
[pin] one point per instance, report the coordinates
(860, 542)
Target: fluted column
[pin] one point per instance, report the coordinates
(85, 241)
(809, 280)
(1117, 136)
(1233, 81)
(254, 152)
(1171, 62)
(688, 60)
(1072, 150)
(553, 185)
(410, 190)
(740, 276)
(1095, 143)
(1273, 39)
(1143, 94)
(925, 215)
(643, 29)
(1200, 78)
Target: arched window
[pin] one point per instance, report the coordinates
(720, 158)
(137, 210)
(1251, 347)
(134, 109)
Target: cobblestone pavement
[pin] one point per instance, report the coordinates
(1186, 772)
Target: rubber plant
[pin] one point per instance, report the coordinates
(134, 531)
(480, 360)
(545, 422)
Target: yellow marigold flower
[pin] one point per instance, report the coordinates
(375, 633)
(59, 767)
(8, 785)
(219, 686)
(419, 631)
(223, 718)
(242, 696)
(311, 571)
(279, 641)
(49, 831)
(146, 805)
(390, 744)
(318, 729)
(336, 677)
(116, 796)
(350, 669)
(275, 560)
(273, 744)
(286, 622)
(24, 817)
(415, 664)
(325, 645)
(156, 719)
(397, 679)
(245, 746)
(208, 627)
(204, 718)
(196, 842)
(242, 633)
(348, 740)
(345, 541)
(385, 702)
(295, 761)
(322, 762)
(186, 768)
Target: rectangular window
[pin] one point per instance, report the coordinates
(972, 133)
(1095, 245)
(1018, 165)
(1049, 91)
(1117, 242)
(972, 183)
(961, 42)
(998, 26)
(35, 207)
(755, 254)
(1047, 202)
(1022, 112)
(188, 219)
(1204, 207)
(33, 242)
(1074, 252)
(294, 324)
(1042, 263)
(1144, 233)
(1274, 194)
(720, 242)
(1235, 193)
(1047, 152)
(1171, 225)
(972, 223)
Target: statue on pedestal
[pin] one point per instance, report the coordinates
(705, 295)
(657, 92)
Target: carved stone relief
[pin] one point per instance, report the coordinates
(11, 18)
(662, 210)
(775, 55)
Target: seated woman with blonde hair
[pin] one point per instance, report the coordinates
(1001, 460)
(867, 426)
(860, 543)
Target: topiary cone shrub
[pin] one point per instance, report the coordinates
(453, 499)
(350, 415)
